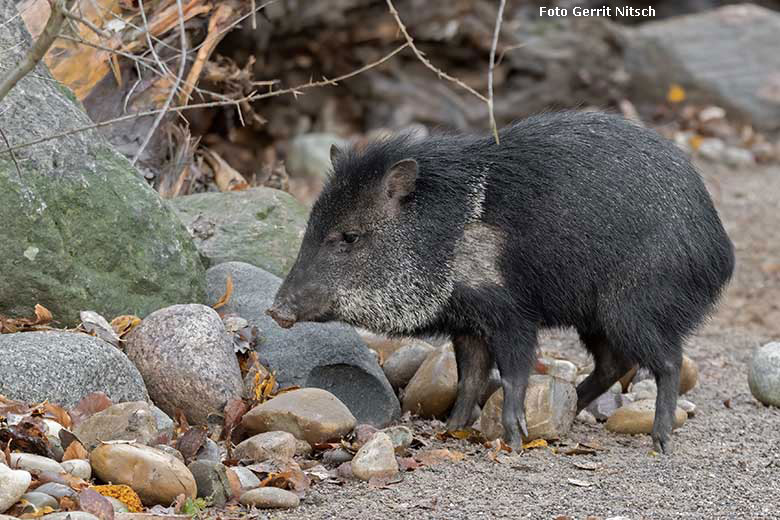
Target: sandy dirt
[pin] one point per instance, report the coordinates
(726, 462)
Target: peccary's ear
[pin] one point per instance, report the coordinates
(400, 179)
(335, 153)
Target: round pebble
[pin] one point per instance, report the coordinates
(78, 468)
(270, 498)
(764, 374)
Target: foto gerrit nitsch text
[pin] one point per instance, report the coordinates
(627, 11)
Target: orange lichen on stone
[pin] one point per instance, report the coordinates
(124, 494)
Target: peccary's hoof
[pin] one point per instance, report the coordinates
(663, 444)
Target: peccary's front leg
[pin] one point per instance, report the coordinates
(474, 364)
(513, 351)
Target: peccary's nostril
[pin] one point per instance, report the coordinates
(283, 316)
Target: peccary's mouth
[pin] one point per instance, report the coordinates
(285, 321)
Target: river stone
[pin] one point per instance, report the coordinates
(270, 498)
(246, 477)
(764, 374)
(308, 155)
(34, 463)
(81, 227)
(330, 356)
(70, 515)
(117, 505)
(260, 226)
(157, 477)
(187, 360)
(376, 459)
(550, 407)
(726, 57)
(268, 445)
(78, 468)
(63, 367)
(57, 490)
(13, 484)
(400, 436)
(163, 423)
(638, 417)
(434, 387)
(645, 389)
(401, 366)
(132, 421)
(311, 414)
(559, 368)
(604, 405)
(212, 481)
(40, 500)
(689, 375)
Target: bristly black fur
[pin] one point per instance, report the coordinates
(580, 220)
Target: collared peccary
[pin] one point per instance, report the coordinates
(575, 219)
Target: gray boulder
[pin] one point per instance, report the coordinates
(329, 356)
(764, 374)
(260, 226)
(308, 155)
(63, 367)
(187, 360)
(81, 228)
(726, 56)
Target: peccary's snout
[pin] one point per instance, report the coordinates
(282, 315)
(300, 298)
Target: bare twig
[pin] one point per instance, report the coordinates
(13, 155)
(499, 18)
(148, 33)
(251, 97)
(424, 60)
(172, 93)
(39, 48)
(91, 26)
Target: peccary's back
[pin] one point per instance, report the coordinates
(588, 205)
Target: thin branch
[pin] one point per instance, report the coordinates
(499, 18)
(251, 97)
(92, 27)
(172, 93)
(13, 155)
(424, 60)
(39, 48)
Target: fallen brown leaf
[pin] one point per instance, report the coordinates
(75, 451)
(225, 298)
(191, 441)
(89, 405)
(95, 503)
(124, 324)
(431, 457)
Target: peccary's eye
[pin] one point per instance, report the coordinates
(350, 238)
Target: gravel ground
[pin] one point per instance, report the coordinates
(726, 462)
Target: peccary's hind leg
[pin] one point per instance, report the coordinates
(611, 365)
(514, 351)
(474, 364)
(667, 378)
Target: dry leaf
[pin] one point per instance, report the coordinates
(124, 324)
(191, 441)
(675, 94)
(579, 483)
(431, 457)
(96, 325)
(225, 176)
(75, 451)
(589, 466)
(538, 443)
(234, 411)
(89, 405)
(93, 502)
(228, 293)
